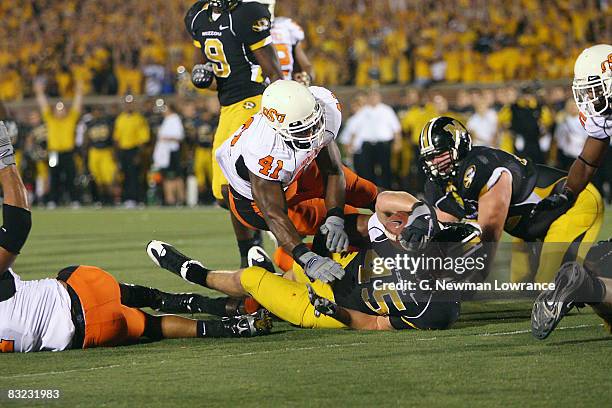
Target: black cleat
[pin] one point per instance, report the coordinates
(257, 256)
(256, 324)
(166, 256)
(552, 305)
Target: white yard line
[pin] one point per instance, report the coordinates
(580, 326)
(293, 349)
(76, 370)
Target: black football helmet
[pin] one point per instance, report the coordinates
(224, 5)
(439, 136)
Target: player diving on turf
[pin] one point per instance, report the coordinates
(84, 306)
(364, 298)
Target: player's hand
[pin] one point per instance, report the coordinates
(7, 153)
(321, 268)
(321, 305)
(421, 226)
(302, 77)
(548, 210)
(337, 238)
(202, 76)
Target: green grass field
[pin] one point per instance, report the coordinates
(488, 359)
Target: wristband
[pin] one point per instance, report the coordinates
(571, 197)
(14, 232)
(298, 252)
(335, 211)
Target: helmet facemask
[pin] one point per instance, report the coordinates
(593, 95)
(306, 134)
(440, 165)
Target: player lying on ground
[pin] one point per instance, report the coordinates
(285, 174)
(364, 298)
(85, 306)
(576, 285)
(499, 191)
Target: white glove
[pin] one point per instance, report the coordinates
(7, 153)
(321, 268)
(337, 239)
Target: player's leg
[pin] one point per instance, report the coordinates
(571, 235)
(141, 324)
(286, 299)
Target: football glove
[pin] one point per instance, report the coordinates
(422, 224)
(202, 75)
(548, 210)
(337, 238)
(256, 324)
(7, 153)
(321, 268)
(302, 77)
(321, 305)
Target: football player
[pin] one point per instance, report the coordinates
(237, 55)
(365, 298)
(286, 176)
(287, 36)
(576, 285)
(500, 190)
(85, 306)
(592, 89)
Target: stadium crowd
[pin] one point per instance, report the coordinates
(120, 47)
(153, 151)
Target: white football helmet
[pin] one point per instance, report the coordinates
(294, 113)
(592, 86)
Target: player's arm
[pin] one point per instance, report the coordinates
(584, 167)
(389, 202)
(493, 208)
(302, 67)
(16, 215)
(268, 60)
(270, 198)
(330, 166)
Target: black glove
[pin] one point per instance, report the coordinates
(202, 76)
(422, 224)
(548, 210)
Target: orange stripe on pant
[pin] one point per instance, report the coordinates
(107, 321)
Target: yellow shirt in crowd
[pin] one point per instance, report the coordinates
(131, 130)
(61, 132)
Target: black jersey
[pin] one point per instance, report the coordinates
(99, 133)
(479, 171)
(371, 288)
(201, 132)
(228, 42)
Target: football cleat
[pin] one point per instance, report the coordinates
(256, 324)
(552, 305)
(166, 256)
(257, 256)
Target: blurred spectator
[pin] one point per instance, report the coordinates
(483, 124)
(167, 156)
(36, 150)
(349, 136)
(379, 130)
(131, 131)
(61, 127)
(199, 131)
(527, 120)
(569, 135)
(100, 154)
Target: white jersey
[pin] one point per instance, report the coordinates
(598, 127)
(37, 317)
(285, 36)
(258, 149)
